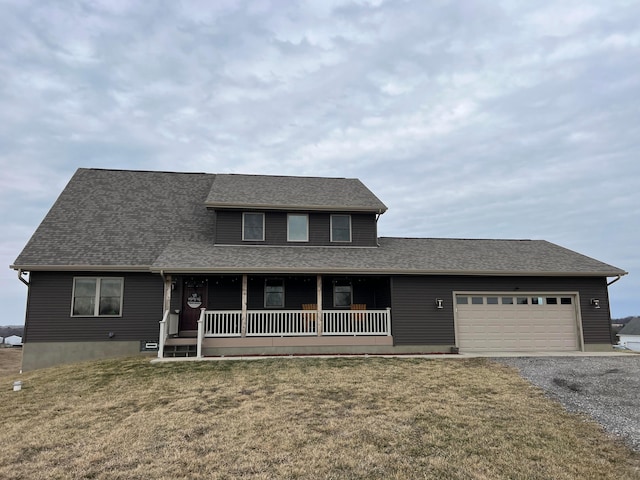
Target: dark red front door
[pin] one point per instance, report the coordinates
(194, 297)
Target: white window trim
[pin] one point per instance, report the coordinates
(96, 306)
(289, 215)
(350, 228)
(243, 230)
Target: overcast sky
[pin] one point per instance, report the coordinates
(468, 119)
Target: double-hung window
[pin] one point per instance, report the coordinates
(97, 297)
(274, 293)
(253, 226)
(342, 295)
(297, 227)
(340, 228)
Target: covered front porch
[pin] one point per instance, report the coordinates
(268, 314)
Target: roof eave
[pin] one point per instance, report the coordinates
(315, 208)
(81, 268)
(371, 271)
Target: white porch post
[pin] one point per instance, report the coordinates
(163, 334)
(388, 321)
(319, 302)
(200, 333)
(243, 331)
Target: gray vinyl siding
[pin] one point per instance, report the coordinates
(416, 321)
(49, 309)
(229, 229)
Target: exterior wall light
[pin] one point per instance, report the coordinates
(439, 303)
(595, 302)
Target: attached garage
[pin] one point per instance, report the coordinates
(517, 322)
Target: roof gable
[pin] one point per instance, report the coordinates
(292, 193)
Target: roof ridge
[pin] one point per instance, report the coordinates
(479, 239)
(100, 169)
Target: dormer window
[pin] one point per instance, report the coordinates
(341, 228)
(253, 227)
(297, 227)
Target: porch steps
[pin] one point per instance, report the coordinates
(173, 351)
(180, 347)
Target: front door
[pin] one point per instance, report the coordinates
(194, 297)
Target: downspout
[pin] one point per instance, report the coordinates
(614, 281)
(21, 278)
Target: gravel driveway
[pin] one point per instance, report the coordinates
(606, 388)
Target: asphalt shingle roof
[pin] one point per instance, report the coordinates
(303, 193)
(631, 328)
(135, 220)
(120, 218)
(394, 255)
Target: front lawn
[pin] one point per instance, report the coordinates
(297, 418)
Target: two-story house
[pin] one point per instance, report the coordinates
(203, 265)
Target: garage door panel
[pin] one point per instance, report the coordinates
(518, 327)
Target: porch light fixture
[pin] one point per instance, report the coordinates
(439, 303)
(595, 302)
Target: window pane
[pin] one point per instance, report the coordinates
(537, 301)
(492, 300)
(522, 301)
(110, 292)
(462, 300)
(297, 228)
(507, 300)
(84, 296)
(342, 296)
(340, 228)
(274, 293)
(253, 226)
(476, 300)
(565, 300)
(552, 301)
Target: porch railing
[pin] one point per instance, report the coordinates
(222, 323)
(281, 323)
(356, 322)
(290, 323)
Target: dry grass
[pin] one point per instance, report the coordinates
(10, 362)
(297, 418)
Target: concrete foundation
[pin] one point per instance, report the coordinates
(47, 354)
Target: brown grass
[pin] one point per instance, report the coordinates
(10, 361)
(297, 418)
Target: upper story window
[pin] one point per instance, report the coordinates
(297, 227)
(340, 228)
(274, 293)
(253, 226)
(97, 297)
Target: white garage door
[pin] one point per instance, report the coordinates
(505, 322)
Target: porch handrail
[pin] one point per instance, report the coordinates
(163, 334)
(357, 322)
